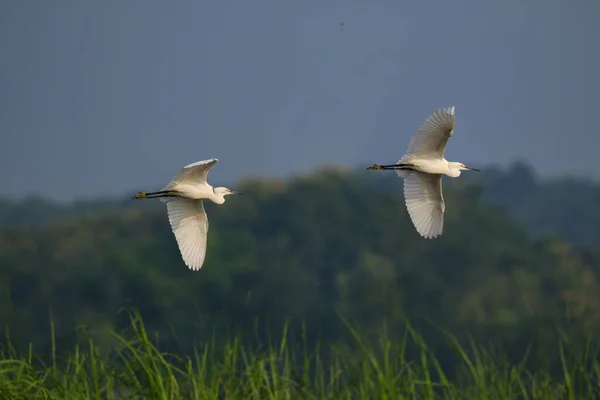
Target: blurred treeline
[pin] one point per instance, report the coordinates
(519, 256)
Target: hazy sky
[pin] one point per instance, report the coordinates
(107, 97)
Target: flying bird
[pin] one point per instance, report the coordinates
(185, 196)
(422, 168)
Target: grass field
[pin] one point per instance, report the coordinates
(136, 369)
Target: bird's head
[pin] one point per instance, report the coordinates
(461, 167)
(223, 191)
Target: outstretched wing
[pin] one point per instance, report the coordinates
(196, 172)
(425, 202)
(190, 226)
(431, 138)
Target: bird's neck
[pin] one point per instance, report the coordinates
(216, 197)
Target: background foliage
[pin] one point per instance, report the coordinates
(519, 257)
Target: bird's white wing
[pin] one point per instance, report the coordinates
(194, 172)
(431, 138)
(425, 202)
(190, 226)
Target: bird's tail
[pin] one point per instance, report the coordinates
(403, 173)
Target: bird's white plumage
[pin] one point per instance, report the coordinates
(184, 197)
(423, 191)
(210, 161)
(422, 168)
(189, 222)
(429, 142)
(425, 202)
(196, 172)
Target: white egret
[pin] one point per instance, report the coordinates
(422, 168)
(185, 196)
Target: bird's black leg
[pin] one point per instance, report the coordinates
(402, 166)
(155, 195)
(398, 166)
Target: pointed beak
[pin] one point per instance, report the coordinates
(473, 169)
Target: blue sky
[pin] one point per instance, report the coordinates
(104, 98)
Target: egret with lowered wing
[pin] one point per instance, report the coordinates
(185, 196)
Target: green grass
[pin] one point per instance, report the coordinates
(362, 369)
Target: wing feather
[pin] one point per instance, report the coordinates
(425, 202)
(189, 222)
(431, 138)
(196, 172)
